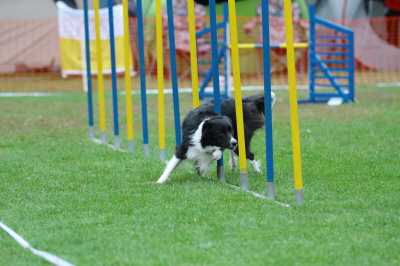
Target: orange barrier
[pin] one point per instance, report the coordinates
(30, 56)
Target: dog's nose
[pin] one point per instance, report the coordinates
(233, 141)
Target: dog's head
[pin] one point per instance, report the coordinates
(218, 131)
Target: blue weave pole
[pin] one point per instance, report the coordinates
(214, 55)
(225, 10)
(88, 71)
(174, 72)
(143, 87)
(113, 75)
(215, 73)
(269, 152)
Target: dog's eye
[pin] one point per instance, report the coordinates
(221, 133)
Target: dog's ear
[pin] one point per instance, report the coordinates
(208, 122)
(211, 120)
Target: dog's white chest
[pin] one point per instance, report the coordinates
(202, 158)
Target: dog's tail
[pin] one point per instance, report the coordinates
(258, 101)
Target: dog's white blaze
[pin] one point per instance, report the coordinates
(196, 137)
(172, 164)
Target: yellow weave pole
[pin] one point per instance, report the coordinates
(295, 45)
(193, 54)
(160, 81)
(100, 80)
(298, 183)
(244, 183)
(128, 84)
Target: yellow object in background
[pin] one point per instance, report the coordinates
(72, 40)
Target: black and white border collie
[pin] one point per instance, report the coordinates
(205, 134)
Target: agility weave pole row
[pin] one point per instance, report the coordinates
(128, 64)
(100, 76)
(195, 101)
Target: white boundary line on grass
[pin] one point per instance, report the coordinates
(47, 256)
(260, 196)
(98, 141)
(389, 84)
(27, 94)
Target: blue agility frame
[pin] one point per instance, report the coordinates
(222, 52)
(317, 65)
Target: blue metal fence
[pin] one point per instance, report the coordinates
(331, 62)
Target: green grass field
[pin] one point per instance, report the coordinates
(91, 205)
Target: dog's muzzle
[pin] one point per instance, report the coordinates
(233, 144)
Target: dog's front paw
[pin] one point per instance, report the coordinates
(232, 161)
(217, 155)
(161, 180)
(256, 166)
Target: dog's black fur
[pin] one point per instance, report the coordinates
(217, 132)
(253, 119)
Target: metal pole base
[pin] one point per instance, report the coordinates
(221, 173)
(244, 181)
(91, 132)
(103, 136)
(117, 143)
(271, 190)
(146, 150)
(131, 145)
(163, 155)
(299, 196)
